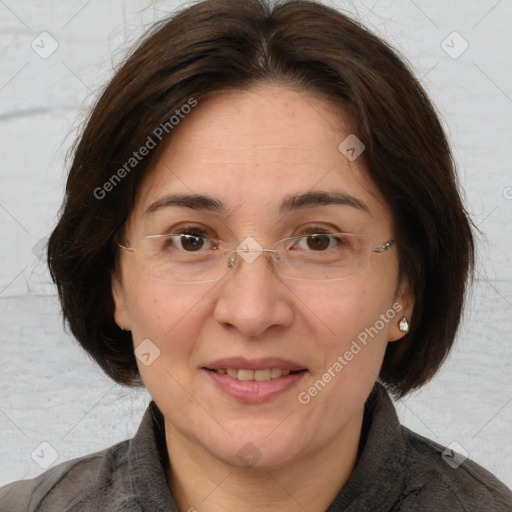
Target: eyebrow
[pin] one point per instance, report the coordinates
(290, 203)
(321, 198)
(194, 201)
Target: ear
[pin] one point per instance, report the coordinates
(403, 305)
(121, 315)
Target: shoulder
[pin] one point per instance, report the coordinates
(81, 484)
(440, 479)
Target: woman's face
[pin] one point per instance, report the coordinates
(251, 151)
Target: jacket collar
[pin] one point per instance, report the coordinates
(379, 475)
(148, 463)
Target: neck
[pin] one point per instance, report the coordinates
(309, 482)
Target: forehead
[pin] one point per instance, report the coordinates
(252, 148)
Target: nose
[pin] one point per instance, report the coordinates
(252, 297)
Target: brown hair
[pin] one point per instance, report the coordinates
(219, 44)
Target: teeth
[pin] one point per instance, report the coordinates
(261, 375)
(245, 375)
(275, 373)
(257, 375)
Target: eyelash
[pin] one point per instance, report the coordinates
(309, 230)
(188, 230)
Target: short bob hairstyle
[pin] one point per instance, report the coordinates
(228, 44)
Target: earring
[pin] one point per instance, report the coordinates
(403, 325)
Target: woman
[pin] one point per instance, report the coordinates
(262, 226)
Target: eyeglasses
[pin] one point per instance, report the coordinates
(194, 258)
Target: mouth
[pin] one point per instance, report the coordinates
(253, 381)
(261, 375)
(266, 364)
(255, 375)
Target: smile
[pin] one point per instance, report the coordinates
(257, 375)
(254, 386)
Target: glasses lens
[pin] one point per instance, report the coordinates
(323, 256)
(182, 258)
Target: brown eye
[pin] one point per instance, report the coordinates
(318, 242)
(192, 242)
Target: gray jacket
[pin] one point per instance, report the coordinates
(397, 470)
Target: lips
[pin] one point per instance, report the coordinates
(254, 380)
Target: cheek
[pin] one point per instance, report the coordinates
(353, 315)
(159, 309)
(350, 326)
(170, 318)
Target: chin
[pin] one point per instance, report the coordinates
(255, 452)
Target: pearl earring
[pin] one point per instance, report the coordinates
(403, 325)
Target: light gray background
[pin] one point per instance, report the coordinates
(51, 392)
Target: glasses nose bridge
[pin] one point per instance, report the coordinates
(251, 254)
